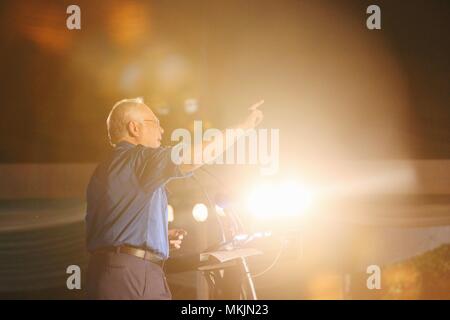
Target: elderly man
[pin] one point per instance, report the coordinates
(127, 227)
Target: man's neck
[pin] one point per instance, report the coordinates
(129, 140)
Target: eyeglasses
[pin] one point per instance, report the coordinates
(154, 121)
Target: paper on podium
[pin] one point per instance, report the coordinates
(227, 255)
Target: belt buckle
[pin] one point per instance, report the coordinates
(147, 255)
(152, 257)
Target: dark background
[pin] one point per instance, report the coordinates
(57, 86)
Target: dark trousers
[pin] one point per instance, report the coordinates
(119, 276)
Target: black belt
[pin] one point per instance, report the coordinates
(137, 252)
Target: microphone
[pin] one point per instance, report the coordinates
(223, 200)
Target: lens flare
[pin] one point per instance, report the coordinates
(274, 200)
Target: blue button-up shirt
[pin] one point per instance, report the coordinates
(127, 201)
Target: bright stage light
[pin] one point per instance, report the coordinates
(279, 200)
(171, 217)
(200, 212)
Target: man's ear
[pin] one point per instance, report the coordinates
(132, 128)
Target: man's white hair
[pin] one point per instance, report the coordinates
(118, 118)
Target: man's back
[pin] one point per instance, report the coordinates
(126, 199)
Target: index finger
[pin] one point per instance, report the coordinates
(256, 105)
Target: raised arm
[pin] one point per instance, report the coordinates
(254, 118)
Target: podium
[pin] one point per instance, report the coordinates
(228, 275)
(226, 272)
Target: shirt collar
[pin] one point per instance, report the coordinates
(124, 145)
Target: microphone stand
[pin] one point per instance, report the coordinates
(210, 203)
(238, 226)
